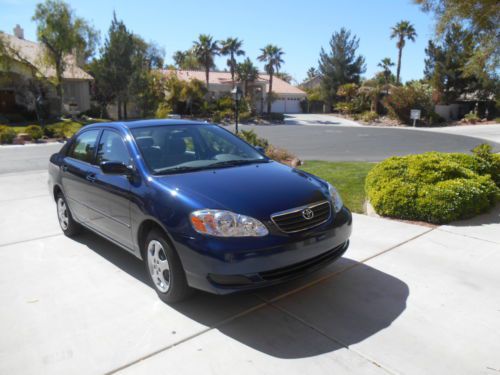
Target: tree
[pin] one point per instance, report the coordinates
(231, 47)
(147, 60)
(386, 64)
(272, 56)
(246, 72)
(445, 64)
(341, 64)
(187, 60)
(103, 91)
(481, 18)
(205, 49)
(284, 76)
(118, 66)
(402, 31)
(312, 72)
(61, 32)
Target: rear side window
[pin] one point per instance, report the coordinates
(112, 148)
(84, 146)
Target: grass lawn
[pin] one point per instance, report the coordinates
(347, 177)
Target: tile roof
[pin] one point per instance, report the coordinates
(224, 78)
(33, 53)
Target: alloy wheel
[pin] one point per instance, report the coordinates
(159, 268)
(62, 213)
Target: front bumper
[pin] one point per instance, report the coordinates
(228, 265)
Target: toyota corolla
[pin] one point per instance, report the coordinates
(202, 208)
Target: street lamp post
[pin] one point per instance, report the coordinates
(236, 92)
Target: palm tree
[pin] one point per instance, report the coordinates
(247, 72)
(271, 55)
(402, 31)
(205, 49)
(231, 47)
(386, 64)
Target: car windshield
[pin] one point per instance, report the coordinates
(183, 148)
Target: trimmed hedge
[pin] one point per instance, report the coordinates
(433, 187)
(7, 134)
(35, 132)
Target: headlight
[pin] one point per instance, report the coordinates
(226, 224)
(336, 200)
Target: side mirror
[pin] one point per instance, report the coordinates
(115, 167)
(262, 150)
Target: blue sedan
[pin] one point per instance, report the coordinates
(202, 208)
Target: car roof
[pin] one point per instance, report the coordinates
(143, 123)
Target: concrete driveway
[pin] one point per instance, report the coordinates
(404, 299)
(317, 119)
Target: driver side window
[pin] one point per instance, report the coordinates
(112, 148)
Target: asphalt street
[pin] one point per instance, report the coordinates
(360, 143)
(334, 142)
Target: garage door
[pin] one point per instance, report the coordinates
(293, 105)
(278, 106)
(286, 105)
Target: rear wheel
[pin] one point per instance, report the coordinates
(68, 225)
(164, 268)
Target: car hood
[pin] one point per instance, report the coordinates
(257, 190)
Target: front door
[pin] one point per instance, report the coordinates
(110, 204)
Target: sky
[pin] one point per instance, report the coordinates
(300, 28)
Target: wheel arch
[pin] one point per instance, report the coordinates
(144, 228)
(56, 190)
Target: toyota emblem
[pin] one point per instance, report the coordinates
(308, 214)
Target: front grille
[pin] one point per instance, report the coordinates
(293, 220)
(305, 266)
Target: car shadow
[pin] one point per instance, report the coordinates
(294, 320)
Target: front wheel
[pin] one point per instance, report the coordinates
(164, 268)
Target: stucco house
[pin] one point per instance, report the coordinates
(287, 97)
(312, 83)
(24, 74)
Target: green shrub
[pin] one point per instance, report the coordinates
(163, 110)
(369, 116)
(471, 118)
(433, 187)
(7, 134)
(251, 137)
(403, 99)
(487, 162)
(48, 131)
(216, 117)
(35, 132)
(345, 107)
(245, 116)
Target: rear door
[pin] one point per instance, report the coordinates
(76, 172)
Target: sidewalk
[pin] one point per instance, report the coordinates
(485, 132)
(404, 299)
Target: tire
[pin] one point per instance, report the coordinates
(68, 225)
(164, 268)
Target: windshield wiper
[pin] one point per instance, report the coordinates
(179, 170)
(232, 163)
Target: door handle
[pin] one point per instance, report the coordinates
(90, 177)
